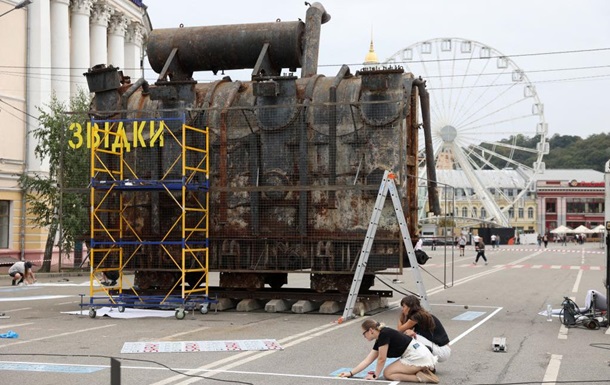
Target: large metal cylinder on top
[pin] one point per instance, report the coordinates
(226, 47)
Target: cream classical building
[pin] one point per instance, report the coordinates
(47, 46)
(459, 200)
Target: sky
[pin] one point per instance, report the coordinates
(562, 47)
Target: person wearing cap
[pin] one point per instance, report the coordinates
(20, 271)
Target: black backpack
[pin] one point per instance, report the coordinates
(420, 255)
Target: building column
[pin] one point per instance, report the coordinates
(79, 44)
(542, 216)
(561, 211)
(38, 76)
(116, 40)
(60, 49)
(134, 38)
(100, 16)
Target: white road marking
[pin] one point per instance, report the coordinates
(32, 298)
(68, 303)
(16, 325)
(577, 282)
(552, 370)
(171, 337)
(20, 309)
(563, 332)
(56, 336)
(453, 341)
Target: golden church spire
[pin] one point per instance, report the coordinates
(371, 57)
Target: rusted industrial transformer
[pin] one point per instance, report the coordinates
(295, 162)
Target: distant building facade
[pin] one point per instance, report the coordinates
(47, 46)
(558, 197)
(458, 198)
(570, 198)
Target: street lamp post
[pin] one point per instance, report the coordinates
(24, 3)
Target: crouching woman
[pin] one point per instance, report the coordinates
(415, 364)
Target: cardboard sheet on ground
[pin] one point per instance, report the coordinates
(128, 313)
(199, 346)
(363, 373)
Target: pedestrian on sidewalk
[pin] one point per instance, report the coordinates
(480, 251)
(462, 244)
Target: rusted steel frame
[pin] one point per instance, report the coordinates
(424, 98)
(223, 149)
(294, 188)
(303, 169)
(411, 165)
(254, 144)
(332, 131)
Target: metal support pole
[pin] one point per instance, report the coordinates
(115, 372)
(607, 274)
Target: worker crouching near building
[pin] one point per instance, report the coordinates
(21, 271)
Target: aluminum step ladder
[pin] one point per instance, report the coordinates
(387, 185)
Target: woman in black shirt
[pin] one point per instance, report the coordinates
(415, 362)
(418, 323)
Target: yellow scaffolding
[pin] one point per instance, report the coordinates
(115, 237)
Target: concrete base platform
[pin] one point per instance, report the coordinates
(301, 307)
(363, 307)
(249, 305)
(331, 307)
(223, 304)
(278, 305)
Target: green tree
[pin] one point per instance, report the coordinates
(57, 201)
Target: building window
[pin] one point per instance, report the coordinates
(483, 212)
(530, 212)
(585, 205)
(4, 223)
(511, 213)
(551, 206)
(474, 212)
(465, 212)
(520, 213)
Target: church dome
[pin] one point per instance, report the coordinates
(371, 56)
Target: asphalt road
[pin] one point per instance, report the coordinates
(476, 304)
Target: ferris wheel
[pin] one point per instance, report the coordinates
(485, 117)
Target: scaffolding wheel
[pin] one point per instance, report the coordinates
(204, 308)
(180, 313)
(92, 313)
(121, 308)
